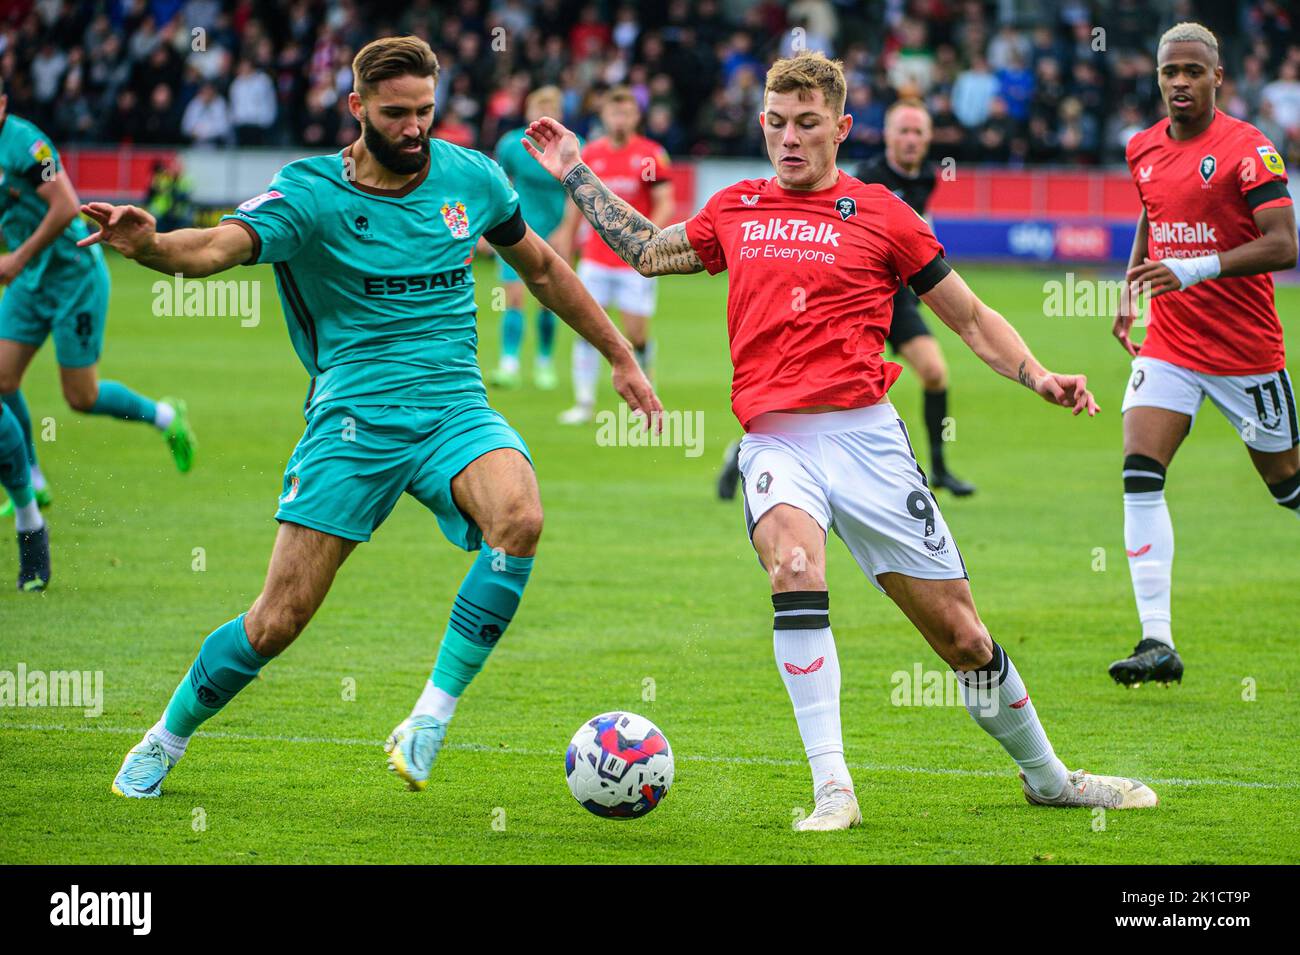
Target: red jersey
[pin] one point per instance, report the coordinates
(811, 284)
(1200, 197)
(631, 172)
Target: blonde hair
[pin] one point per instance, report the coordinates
(545, 96)
(806, 72)
(390, 57)
(906, 103)
(1189, 32)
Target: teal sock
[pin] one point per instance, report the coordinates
(17, 404)
(118, 401)
(15, 472)
(512, 333)
(485, 603)
(545, 333)
(225, 665)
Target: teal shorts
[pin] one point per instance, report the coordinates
(354, 462)
(69, 304)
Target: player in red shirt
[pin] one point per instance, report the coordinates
(814, 258)
(1216, 221)
(637, 170)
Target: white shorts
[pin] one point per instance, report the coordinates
(623, 288)
(853, 472)
(1260, 407)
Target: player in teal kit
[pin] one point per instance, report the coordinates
(16, 479)
(542, 202)
(372, 249)
(56, 289)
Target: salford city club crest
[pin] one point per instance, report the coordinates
(453, 213)
(846, 206)
(1208, 165)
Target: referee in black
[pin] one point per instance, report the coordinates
(904, 171)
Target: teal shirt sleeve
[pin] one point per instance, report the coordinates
(502, 198)
(38, 161)
(504, 154)
(280, 220)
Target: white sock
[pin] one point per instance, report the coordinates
(171, 743)
(163, 415)
(28, 517)
(38, 479)
(509, 364)
(997, 700)
(1149, 542)
(586, 371)
(435, 702)
(810, 669)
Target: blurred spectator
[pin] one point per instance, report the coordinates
(75, 120)
(1015, 85)
(949, 138)
(1267, 124)
(319, 122)
(663, 129)
(206, 121)
(1283, 96)
(1009, 48)
(160, 125)
(866, 134)
(996, 132)
(252, 105)
(973, 93)
(125, 122)
(913, 63)
(47, 73)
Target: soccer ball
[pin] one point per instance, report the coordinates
(619, 765)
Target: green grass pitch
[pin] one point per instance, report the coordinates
(646, 596)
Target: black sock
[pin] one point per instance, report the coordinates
(936, 409)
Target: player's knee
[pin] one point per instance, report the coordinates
(933, 375)
(793, 569)
(271, 629)
(9, 382)
(81, 397)
(518, 529)
(1143, 474)
(969, 645)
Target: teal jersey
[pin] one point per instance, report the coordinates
(28, 160)
(377, 285)
(541, 198)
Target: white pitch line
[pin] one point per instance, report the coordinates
(557, 754)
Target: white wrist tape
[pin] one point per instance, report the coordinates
(1191, 271)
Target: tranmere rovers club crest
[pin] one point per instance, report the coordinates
(453, 213)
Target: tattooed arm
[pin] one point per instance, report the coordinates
(638, 241)
(993, 338)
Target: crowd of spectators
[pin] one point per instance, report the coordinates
(1008, 82)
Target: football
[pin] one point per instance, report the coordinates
(619, 765)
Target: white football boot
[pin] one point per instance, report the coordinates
(1086, 789)
(578, 414)
(835, 807)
